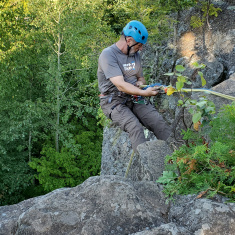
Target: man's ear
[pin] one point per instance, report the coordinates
(129, 40)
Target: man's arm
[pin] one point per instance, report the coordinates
(130, 89)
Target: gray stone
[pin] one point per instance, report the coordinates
(116, 151)
(227, 87)
(101, 205)
(149, 163)
(105, 205)
(203, 216)
(165, 229)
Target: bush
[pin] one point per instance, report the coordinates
(72, 165)
(204, 167)
(15, 178)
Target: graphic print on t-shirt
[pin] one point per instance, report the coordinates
(129, 66)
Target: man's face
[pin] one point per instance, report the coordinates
(136, 48)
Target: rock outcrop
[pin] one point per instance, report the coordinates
(147, 164)
(106, 205)
(212, 44)
(228, 88)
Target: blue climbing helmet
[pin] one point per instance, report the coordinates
(136, 30)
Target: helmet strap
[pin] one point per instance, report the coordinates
(129, 47)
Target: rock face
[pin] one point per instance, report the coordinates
(212, 44)
(105, 205)
(147, 164)
(228, 88)
(203, 216)
(116, 152)
(213, 72)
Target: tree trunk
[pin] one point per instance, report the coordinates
(58, 78)
(30, 145)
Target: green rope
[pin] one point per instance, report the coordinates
(161, 87)
(129, 165)
(211, 92)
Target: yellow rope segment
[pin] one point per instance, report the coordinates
(129, 165)
(211, 92)
(193, 89)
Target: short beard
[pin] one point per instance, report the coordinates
(131, 52)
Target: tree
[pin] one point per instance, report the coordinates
(75, 40)
(20, 88)
(71, 33)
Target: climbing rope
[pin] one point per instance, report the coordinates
(229, 97)
(173, 90)
(129, 165)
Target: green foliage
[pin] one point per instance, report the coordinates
(201, 109)
(167, 177)
(208, 10)
(103, 120)
(15, 177)
(155, 15)
(223, 127)
(204, 167)
(72, 165)
(14, 23)
(178, 5)
(55, 169)
(196, 22)
(36, 88)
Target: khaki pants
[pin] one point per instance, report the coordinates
(130, 117)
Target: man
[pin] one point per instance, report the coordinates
(120, 76)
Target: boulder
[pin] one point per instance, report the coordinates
(149, 163)
(101, 205)
(226, 87)
(105, 205)
(203, 216)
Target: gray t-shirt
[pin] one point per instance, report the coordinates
(113, 62)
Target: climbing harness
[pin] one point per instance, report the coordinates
(137, 99)
(110, 96)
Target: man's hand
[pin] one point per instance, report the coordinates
(151, 91)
